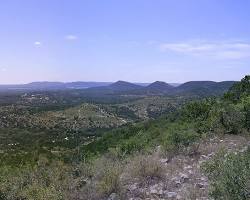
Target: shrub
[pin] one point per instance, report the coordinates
(213, 123)
(107, 176)
(232, 118)
(30, 184)
(246, 110)
(43, 181)
(110, 180)
(146, 167)
(239, 90)
(198, 109)
(229, 176)
(38, 192)
(177, 138)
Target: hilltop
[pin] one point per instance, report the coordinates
(198, 88)
(123, 87)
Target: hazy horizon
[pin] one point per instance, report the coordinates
(135, 41)
(23, 83)
(109, 81)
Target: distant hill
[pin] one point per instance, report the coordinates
(81, 84)
(204, 88)
(159, 86)
(124, 86)
(195, 85)
(45, 85)
(118, 87)
(155, 88)
(200, 88)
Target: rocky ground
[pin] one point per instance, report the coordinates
(183, 175)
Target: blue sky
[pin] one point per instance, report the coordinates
(133, 40)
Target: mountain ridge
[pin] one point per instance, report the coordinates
(127, 88)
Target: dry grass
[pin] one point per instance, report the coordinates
(146, 167)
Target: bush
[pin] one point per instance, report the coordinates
(110, 180)
(146, 167)
(232, 118)
(246, 110)
(198, 110)
(239, 90)
(52, 181)
(33, 183)
(229, 176)
(107, 176)
(179, 137)
(213, 123)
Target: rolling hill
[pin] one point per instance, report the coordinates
(203, 88)
(124, 86)
(198, 88)
(46, 85)
(159, 87)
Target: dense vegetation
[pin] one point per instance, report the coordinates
(68, 166)
(230, 175)
(26, 133)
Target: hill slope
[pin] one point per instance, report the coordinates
(46, 85)
(159, 86)
(204, 88)
(123, 86)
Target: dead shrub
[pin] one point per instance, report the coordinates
(146, 167)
